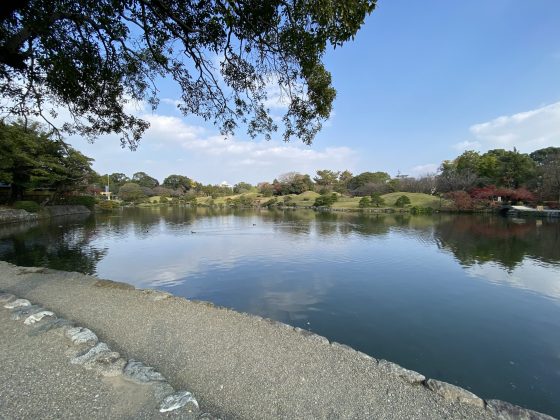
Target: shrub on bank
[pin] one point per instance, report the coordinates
(107, 205)
(326, 200)
(421, 210)
(30, 206)
(402, 201)
(79, 200)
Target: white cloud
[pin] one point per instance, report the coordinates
(527, 131)
(529, 275)
(421, 170)
(467, 145)
(170, 101)
(275, 98)
(171, 145)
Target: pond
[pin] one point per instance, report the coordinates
(471, 300)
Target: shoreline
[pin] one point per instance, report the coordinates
(9, 215)
(242, 365)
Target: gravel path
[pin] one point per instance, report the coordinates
(237, 366)
(37, 381)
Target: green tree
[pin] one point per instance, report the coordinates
(343, 179)
(489, 167)
(94, 56)
(402, 201)
(514, 168)
(452, 179)
(326, 200)
(548, 171)
(144, 180)
(266, 189)
(242, 187)
(326, 179)
(542, 156)
(115, 180)
(368, 178)
(377, 200)
(468, 162)
(131, 192)
(77, 172)
(32, 158)
(178, 182)
(295, 183)
(365, 202)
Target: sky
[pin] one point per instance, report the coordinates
(420, 83)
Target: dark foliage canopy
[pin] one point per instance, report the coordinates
(90, 57)
(30, 158)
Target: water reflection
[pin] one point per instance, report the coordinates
(503, 241)
(529, 274)
(65, 243)
(451, 296)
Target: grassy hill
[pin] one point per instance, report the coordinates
(307, 199)
(416, 199)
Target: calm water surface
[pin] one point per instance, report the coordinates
(470, 300)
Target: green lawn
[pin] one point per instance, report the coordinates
(307, 199)
(416, 199)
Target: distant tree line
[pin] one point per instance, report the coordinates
(31, 159)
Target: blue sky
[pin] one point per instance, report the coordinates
(421, 82)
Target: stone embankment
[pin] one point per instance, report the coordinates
(237, 365)
(87, 351)
(8, 215)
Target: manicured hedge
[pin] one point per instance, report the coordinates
(30, 206)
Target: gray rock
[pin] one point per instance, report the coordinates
(408, 375)
(36, 317)
(318, 338)
(140, 373)
(50, 324)
(180, 399)
(6, 297)
(101, 359)
(156, 295)
(32, 270)
(110, 284)
(162, 390)
(16, 215)
(24, 311)
(454, 393)
(367, 357)
(507, 411)
(312, 336)
(17, 304)
(340, 346)
(278, 324)
(80, 335)
(206, 416)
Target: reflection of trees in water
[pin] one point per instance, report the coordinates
(475, 239)
(62, 244)
(142, 221)
(66, 243)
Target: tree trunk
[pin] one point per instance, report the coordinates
(17, 193)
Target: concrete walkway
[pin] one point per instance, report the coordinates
(237, 366)
(37, 382)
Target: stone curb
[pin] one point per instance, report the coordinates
(92, 354)
(452, 393)
(447, 391)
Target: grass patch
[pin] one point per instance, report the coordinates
(416, 199)
(307, 199)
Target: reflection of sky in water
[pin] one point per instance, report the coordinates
(531, 275)
(168, 255)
